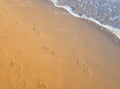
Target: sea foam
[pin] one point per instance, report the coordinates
(112, 29)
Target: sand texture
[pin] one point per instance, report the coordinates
(43, 47)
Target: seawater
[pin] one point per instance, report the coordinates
(105, 13)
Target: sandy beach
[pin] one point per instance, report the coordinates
(44, 47)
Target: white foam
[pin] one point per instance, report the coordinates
(69, 9)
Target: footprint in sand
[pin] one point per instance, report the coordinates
(16, 67)
(45, 49)
(41, 85)
(11, 20)
(37, 31)
(49, 51)
(14, 21)
(87, 70)
(5, 11)
(24, 83)
(53, 53)
(85, 67)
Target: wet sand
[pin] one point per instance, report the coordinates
(43, 47)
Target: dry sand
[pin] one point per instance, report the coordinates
(43, 47)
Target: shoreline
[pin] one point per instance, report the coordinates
(111, 29)
(104, 30)
(44, 47)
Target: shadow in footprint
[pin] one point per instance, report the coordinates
(53, 53)
(16, 67)
(41, 85)
(45, 49)
(36, 30)
(84, 66)
(13, 21)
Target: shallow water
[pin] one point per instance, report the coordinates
(103, 12)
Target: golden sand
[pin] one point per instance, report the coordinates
(43, 47)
